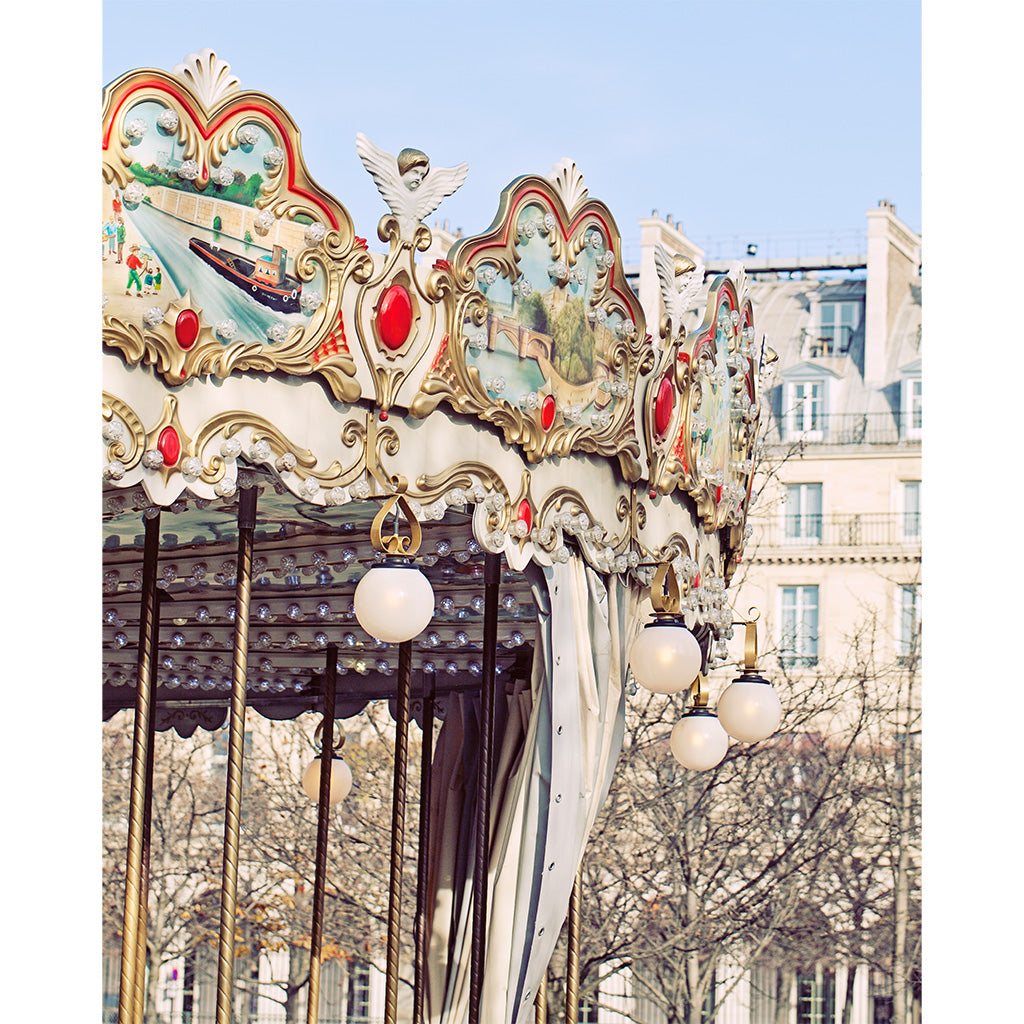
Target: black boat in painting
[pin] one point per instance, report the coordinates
(264, 279)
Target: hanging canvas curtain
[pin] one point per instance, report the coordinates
(557, 747)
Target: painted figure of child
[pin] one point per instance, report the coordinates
(121, 235)
(147, 280)
(156, 281)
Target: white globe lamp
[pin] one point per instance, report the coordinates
(341, 780)
(665, 657)
(749, 709)
(698, 740)
(394, 601)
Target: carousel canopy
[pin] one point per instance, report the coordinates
(513, 392)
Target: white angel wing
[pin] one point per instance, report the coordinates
(439, 183)
(738, 274)
(679, 292)
(383, 168)
(694, 281)
(665, 266)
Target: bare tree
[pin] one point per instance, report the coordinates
(276, 870)
(691, 878)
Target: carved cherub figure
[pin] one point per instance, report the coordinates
(681, 279)
(410, 186)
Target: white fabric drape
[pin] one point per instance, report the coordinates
(557, 748)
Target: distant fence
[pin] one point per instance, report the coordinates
(841, 429)
(846, 530)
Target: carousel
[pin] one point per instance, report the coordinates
(482, 487)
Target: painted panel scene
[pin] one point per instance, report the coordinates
(713, 420)
(162, 236)
(542, 336)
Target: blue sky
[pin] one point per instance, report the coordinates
(740, 119)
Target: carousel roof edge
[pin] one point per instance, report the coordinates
(248, 328)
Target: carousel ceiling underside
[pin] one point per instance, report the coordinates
(306, 564)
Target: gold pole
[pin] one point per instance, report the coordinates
(397, 831)
(540, 1002)
(147, 822)
(322, 819)
(137, 801)
(572, 959)
(233, 795)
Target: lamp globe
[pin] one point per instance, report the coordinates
(341, 780)
(749, 709)
(698, 740)
(394, 601)
(665, 657)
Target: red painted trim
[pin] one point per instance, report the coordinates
(231, 111)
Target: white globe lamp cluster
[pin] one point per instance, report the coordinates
(667, 658)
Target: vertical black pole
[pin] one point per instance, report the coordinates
(322, 820)
(423, 864)
(492, 578)
(397, 831)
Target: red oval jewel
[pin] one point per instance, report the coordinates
(186, 328)
(525, 513)
(547, 412)
(394, 316)
(663, 405)
(169, 446)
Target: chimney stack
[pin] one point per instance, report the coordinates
(894, 263)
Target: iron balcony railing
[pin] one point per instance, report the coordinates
(843, 531)
(843, 428)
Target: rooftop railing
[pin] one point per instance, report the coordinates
(843, 429)
(847, 530)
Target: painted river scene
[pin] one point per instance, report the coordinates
(162, 237)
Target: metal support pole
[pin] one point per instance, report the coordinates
(397, 831)
(323, 811)
(133, 907)
(572, 957)
(540, 1002)
(492, 579)
(147, 822)
(422, 867)
(236, 740)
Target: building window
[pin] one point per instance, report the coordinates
(913, 408)
(357, 1006)
(815, 997)
(910, 623)
(219, 754)
(803, 514)
(588, 1010)
(838, 321)
(880, 998)
(911, 517)
(805, 406)
(188, 987)
(799, 641)
(254, 989)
